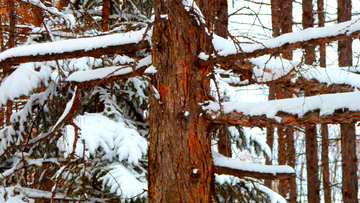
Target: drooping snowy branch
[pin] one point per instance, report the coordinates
(320, 109)
(235, 167)
(126, 43)
(100, 75)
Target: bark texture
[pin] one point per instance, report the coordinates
(313, 187)
(324, 127)
(221, 29)
(180, 162)
(312, 168)
(325, 162)
(270, 135)
(348, 137)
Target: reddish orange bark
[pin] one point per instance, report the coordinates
(180, 163)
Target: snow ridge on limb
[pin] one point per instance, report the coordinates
(125, 43)
(235, 167)
(115, 73)
(267, 69)
(229, 51)
(320, 109)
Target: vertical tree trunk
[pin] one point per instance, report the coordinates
(221, 24)
(105, 15)
(312, 168)
(324, 127)
(348, 137)
(270, 136)
(11, 44)
(276, 27)
(321, 17)
(12, 19)
(180, 163)
(325, 162)
(272, 88)
(284, 15)
(313, 186)
(286, 22)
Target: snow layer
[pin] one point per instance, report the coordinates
(231, 180)
(227, 47)
(124, 181)
(23, 81)
(74, 45)
(327, 104)
(116, 139)
(220, 160)
(81, 76)
(269, 68)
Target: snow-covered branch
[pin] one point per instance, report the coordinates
(229, 51)
(126, 43)
(105, 75)
(320, 109)
(269, 70)
(235, 167)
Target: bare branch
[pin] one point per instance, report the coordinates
(242, 173)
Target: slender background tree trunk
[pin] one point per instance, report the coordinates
(348, 137)
(324, 127)
(312, 167)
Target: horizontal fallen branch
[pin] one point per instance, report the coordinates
(109, 74)
(286, 42)
(126, 43)
(240, 173)
(235, 167)
(320, 109)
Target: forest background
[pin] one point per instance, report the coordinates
(71, 133)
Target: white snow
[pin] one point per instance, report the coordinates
(327, 104)
(124, 181)
(227, 47)
(23, 81)
(117, 139)
(151, 69)
(70, 45)
(222, 161)
(81, 76)
(269, 69)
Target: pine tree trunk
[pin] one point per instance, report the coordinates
(348, 137)
(324, 127)
(286, 143)
(180, 163)
(12, 18)
(325, 162)
(221, 24)
(312, 168)
(270, 136)
(105, 14)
